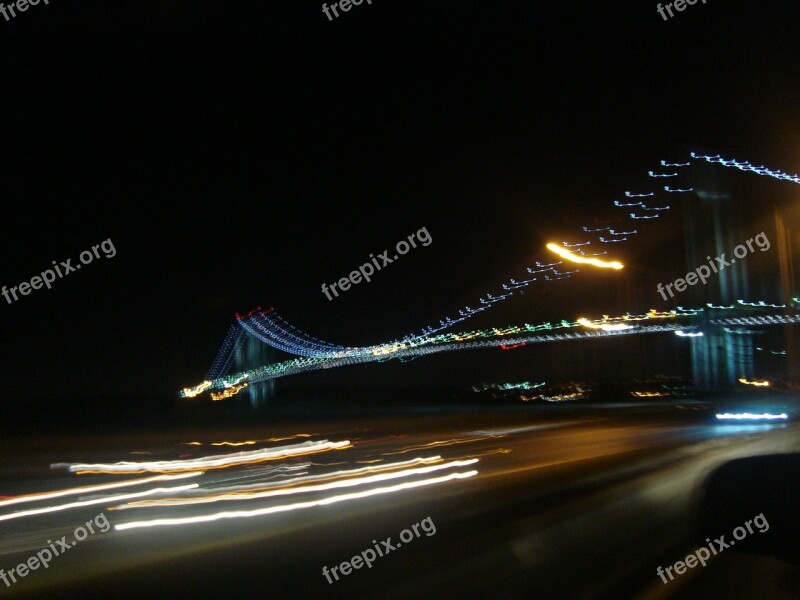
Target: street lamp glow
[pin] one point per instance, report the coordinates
(595, 262)
(604, 326)
(755, 383)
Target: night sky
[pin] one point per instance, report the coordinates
(241, 154)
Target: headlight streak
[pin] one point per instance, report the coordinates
(243, 514)
(302, 478)
(289, 491)
(103, 500)
(260, 475)
(220, 461)
(489, 453)
(452, 442)
(86, 489)
(751, 417)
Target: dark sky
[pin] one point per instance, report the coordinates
(240, 154)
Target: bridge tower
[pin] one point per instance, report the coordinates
(723, 354)
(251, 354)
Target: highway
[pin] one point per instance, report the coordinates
(563, 501)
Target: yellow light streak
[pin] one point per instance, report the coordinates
(247, 443)
(387, 349)
(228, 392)
(595, 262)
(745, 381)
(196, 390)
(451, 442)
(603, 326)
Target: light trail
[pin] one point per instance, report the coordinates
(452, 442)
(245, 514)
(306, 489)
(196, 390)
(103, 500)
(229, 392)
(751, 417)
(755, 383)
(604, 326)
(86, 489)
(595, 262)
(303, 477)
(253, 442)
(220, 461)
